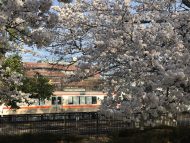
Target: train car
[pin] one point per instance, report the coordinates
(60, 102)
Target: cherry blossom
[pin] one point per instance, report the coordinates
(139, 47)
(22, 22)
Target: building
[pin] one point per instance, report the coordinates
(57, 73)
(83, 96)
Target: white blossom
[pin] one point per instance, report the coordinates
(141, 51)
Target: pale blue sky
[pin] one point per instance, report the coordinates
(41, 54)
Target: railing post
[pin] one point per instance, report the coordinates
(1, 126)
(97, 124)
(65, 123)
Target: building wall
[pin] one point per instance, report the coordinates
(57, 73)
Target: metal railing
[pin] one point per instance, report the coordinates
(67, 124)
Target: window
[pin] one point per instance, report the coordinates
(94, 100)
(82, 99)
(76, 100)
(35, 101)
(53, 100)
(59, 101)
(88, 100)
(70, 100)
(42, 102)
(56, 101)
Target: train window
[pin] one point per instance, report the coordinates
(42, 102)
(76, 100)
(94, 100)
(35, 102)
(82, 99)
(53, 100)
(88, 99)
(70, 100)
(59, 100)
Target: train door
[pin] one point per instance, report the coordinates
(56, 102)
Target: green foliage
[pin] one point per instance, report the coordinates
(38, 86)
(12, 71)
(14, 63)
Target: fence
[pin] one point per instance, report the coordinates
(66, 124)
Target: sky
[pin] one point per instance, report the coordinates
(38, 54)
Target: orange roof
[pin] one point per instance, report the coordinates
(53, 70)
(45, 73)
(29, 65)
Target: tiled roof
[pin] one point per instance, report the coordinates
(45, 73)
(33, 65)
(56, 74)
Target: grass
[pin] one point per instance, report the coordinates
(29, 138)
(150, 135)
(50, 138)
(153, 135)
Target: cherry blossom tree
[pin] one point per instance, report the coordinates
(22, 22)
(140, 48)
(26, 21)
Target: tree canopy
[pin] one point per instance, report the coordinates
(24, 87)
(38, 87)
(140, 47)
(10, 81)
(22, 23)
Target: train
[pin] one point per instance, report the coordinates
(60, 102)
